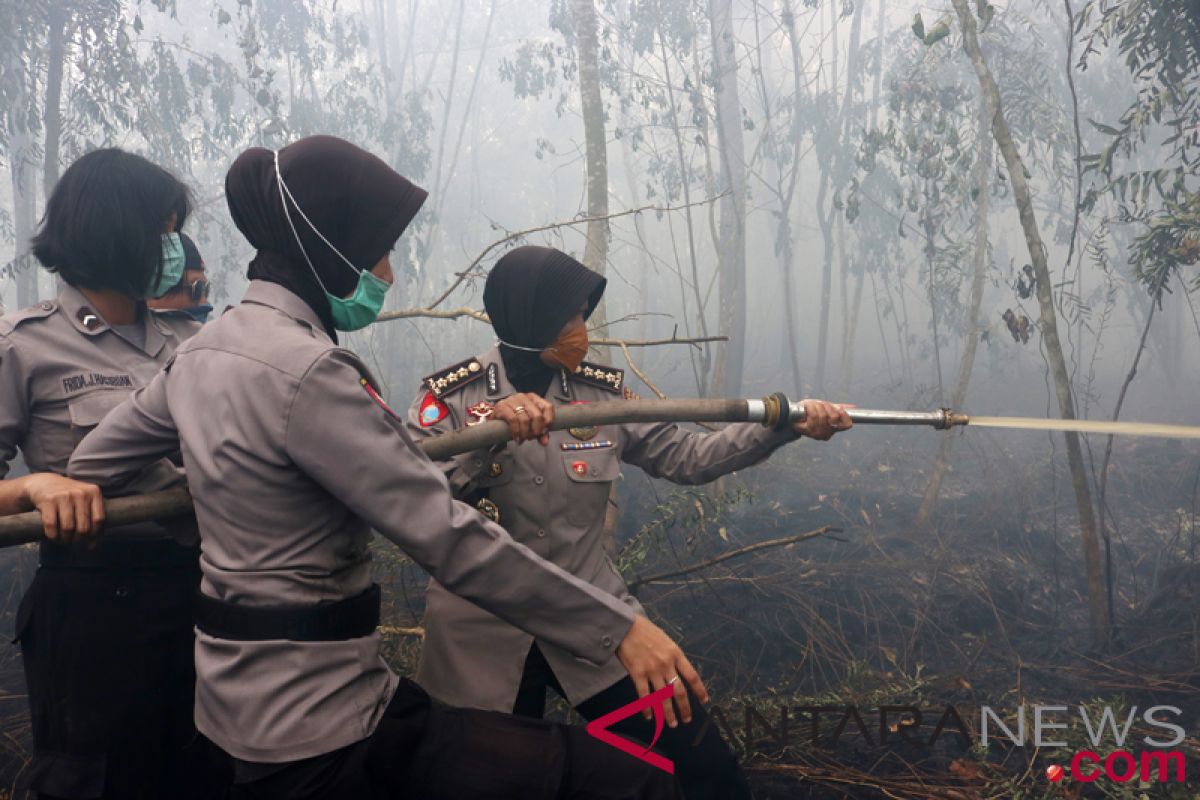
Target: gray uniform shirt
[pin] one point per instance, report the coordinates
(291, 458)
(552, 499)
(62, 369)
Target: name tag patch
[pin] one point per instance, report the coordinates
(87, 380)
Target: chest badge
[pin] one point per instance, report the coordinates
(579, 468)
(489, 510)
(480, 412)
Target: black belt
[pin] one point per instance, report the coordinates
(112, 552)
(351, 618)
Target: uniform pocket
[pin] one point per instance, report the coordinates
(591, 473)
(87, 410)
(592, 466)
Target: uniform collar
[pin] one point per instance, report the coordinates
(80, 313)
(272, 295)
(560, 387)
(88, 322)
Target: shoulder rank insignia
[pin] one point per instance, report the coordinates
(374, 396)
(453, 378)
(432, 411)
(39, 311)
(609, 378)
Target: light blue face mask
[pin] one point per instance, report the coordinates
(172, 266)
(362, 307)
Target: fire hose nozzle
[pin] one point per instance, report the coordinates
(955, 419)
(776, 411)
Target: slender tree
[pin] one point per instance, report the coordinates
(1100, 623)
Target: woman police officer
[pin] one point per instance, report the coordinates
(105, 628)
(553, 499)
(292, 458)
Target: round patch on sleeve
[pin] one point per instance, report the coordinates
(433, 411)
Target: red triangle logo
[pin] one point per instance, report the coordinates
(599, 728)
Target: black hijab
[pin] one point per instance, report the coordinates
(357, 202)
(530, 294)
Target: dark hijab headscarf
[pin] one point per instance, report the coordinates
(530, 295)
(357, 202)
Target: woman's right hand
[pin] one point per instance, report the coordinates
(653, 661)
(528, 416)
(70, 509)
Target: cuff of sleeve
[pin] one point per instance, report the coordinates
(773, 438)
(608, 637)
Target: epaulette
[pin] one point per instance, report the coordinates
(609, 378)
(447, 381)
(9, 322)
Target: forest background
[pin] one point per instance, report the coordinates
(992, 206)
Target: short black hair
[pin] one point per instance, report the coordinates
(104, 221)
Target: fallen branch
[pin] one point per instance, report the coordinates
(741, 551)
(452, 313)
(642, 376)
(462, 276)
(458, 313)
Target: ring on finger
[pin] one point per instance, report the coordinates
(672, 680)
(519, 409)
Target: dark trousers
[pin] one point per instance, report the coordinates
(423, 749)
(108, 657)
(707, 769)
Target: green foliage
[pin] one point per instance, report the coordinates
(1159, 41)
(923, 161)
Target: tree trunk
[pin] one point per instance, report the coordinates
(701, 373)
(825, 215)
(784, 243)
(22, 160)
(732, 260)
(1100, 623)
(876, 84)
(52, 114)
(595, 256)
(849, 315)
(983, 174)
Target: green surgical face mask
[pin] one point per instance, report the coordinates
(349, 313)
(172, 266)
(361, 308)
